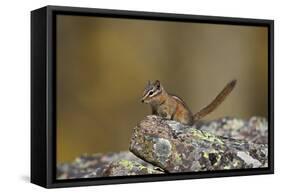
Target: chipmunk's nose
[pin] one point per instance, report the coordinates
(142, 100)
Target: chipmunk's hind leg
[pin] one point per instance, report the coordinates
(183, 115)
(186, 120)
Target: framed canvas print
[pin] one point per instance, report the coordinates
(126, 96)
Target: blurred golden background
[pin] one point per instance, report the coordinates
(103, 65)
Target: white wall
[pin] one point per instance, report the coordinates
(15, 94)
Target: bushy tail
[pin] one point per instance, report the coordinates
(216, 102)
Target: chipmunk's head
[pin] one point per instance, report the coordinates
(151, 92)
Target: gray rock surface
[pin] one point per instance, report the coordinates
(100, 165)
(178, 148)
(254, 130)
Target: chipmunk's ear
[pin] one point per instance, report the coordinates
(157, 83)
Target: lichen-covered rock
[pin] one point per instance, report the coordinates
(164, 145)
(96, 165)
(178, 148)
(127, 168)
(254, 130)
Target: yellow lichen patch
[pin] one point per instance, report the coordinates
(216, 153)
(226, 167)
(218, 159)
(127, 164)
(236, 163)
(206, 155)
(205, 136)
(178, 160)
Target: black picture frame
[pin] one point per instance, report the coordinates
(43, 95)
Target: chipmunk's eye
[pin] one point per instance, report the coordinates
(150, 93)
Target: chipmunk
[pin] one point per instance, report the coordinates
(173, 108)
